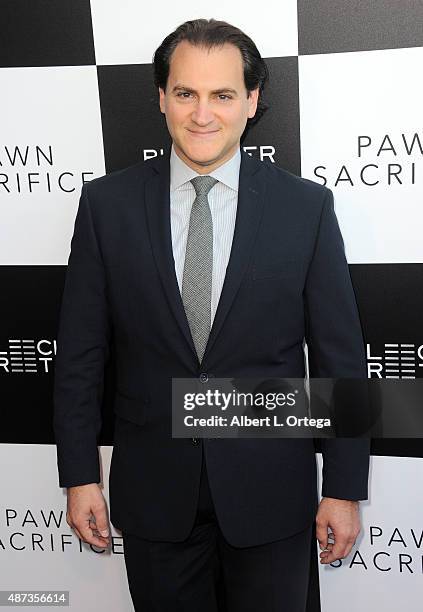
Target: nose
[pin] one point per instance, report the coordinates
(202, 114)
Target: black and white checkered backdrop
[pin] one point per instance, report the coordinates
(77, 101)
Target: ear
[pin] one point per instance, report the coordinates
(162, 99)
(252, 102)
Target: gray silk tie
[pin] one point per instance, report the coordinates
(198, 265)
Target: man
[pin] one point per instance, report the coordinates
(206, 263)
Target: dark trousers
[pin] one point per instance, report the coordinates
(206, 574)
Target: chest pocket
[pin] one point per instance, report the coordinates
(280, 269)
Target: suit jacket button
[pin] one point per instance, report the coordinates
(204, 377)
(195, 441)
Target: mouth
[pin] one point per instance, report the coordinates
(198, 134)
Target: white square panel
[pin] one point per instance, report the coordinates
(127, 33)
(39, 549)
(384, 567)
(51, 141)
(360, 118)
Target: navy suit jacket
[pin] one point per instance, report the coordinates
(287, 280)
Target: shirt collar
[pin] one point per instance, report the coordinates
(227, 173)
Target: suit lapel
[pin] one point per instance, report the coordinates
(249, 211)
(157, 202)
(250, 206)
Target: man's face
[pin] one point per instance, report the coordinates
(206, 104)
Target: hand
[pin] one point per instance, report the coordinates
(342, 516)
(87, 514)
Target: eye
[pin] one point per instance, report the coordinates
(183, 94)
(225, 97)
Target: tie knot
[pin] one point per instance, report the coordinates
(203, 184)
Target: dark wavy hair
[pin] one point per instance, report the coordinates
(210, 33)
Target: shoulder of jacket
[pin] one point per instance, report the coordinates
(303, 186)
(119, 179)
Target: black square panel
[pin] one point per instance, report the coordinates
(130, 114)
(29, 311)
(46, 33)
(390, 301)
(334, 26)
(280, 125)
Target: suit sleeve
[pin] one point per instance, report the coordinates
(336, 350)
(82, 351)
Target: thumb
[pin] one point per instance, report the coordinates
(322, 533)
(102, 524)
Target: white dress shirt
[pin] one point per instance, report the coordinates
(223, 201)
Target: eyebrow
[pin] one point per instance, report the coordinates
(216, 91)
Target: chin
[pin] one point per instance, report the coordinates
(202, 154)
